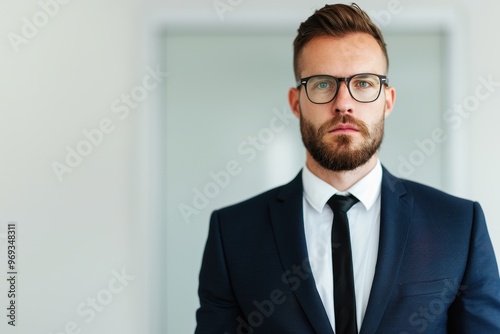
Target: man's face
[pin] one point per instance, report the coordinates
(343, 134)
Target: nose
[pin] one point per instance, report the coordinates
(343, 102)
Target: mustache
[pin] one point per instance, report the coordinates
(344, 119)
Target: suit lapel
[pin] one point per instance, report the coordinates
(287, 221)
(395, 215)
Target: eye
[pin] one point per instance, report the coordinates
(363, 84)
(323, 85)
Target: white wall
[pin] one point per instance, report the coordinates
(75, 235)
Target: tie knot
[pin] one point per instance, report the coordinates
(342, 203)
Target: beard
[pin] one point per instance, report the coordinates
(339, 153)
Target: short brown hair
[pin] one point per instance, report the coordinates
(337, 21)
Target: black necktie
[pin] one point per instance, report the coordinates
(345, 301)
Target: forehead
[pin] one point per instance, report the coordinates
(342, 56)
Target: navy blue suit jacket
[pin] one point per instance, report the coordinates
(436, 271)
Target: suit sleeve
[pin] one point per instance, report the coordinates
(476, 308)
(219, 311)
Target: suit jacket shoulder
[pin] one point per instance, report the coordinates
(426, 199)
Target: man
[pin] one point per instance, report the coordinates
(405, 258)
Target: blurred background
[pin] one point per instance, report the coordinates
(125, 123)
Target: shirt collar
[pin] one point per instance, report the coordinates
(317, 192)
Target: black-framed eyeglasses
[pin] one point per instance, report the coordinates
(363, 87)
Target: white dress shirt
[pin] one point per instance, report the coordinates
(364, 224)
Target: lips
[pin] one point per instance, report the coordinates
(345, 128)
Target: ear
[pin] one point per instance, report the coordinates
(293, 100)
(390, 99)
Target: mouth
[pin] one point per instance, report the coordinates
(344, 128)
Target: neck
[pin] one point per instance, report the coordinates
(342, 180)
